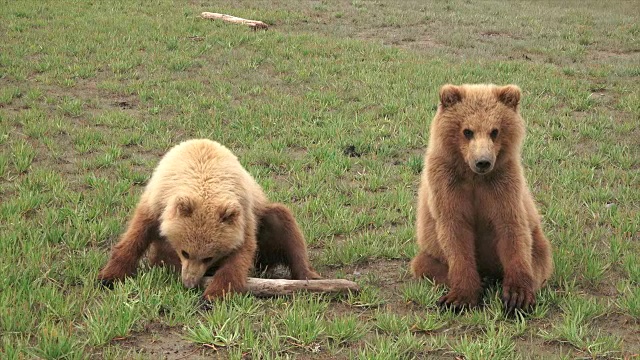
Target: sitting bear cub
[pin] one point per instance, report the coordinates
(476, 217)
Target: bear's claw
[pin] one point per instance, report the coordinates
(205, 304)
(456, 301)
(517, 298)
(106, 283)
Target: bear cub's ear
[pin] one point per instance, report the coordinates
(509, 95)
(229, 214)
(450, 95)
(184, 206)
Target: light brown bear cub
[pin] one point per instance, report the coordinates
(202, 210)
(476, 217)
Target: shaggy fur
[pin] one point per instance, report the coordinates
(200, 211)
(476, 216)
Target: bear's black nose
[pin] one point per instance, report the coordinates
(483, 165)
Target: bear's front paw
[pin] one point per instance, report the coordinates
(205, 304)
(110, 274)
(213, 293)
(312, 275)
(106, 283)
(517, 297)
(458, 300)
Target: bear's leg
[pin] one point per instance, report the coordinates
(231, 276)
(142, 230)
(541, 259)
(280, 241)
(456, 239)
(514, 245)
(161, 253)
(425, 265)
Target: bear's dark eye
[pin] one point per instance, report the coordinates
(468, 134)
(206, 260)
(185, 254)
(494, 134)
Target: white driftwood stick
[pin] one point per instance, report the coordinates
(234, 19)
(273, 287)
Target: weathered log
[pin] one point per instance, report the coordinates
(234, 19)
(274, 287)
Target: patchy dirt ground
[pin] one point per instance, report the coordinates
(160, 342)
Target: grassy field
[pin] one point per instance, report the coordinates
(92, 93)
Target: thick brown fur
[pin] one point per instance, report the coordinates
(476, 217)
(202, 211)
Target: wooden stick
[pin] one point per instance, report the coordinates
(274, 287)
(236, 20)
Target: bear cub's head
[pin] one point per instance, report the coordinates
(481, 121)
(202, 233)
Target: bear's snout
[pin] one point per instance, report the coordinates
(192, 273)
(482, 165)
(190, 282)
(481, 156)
